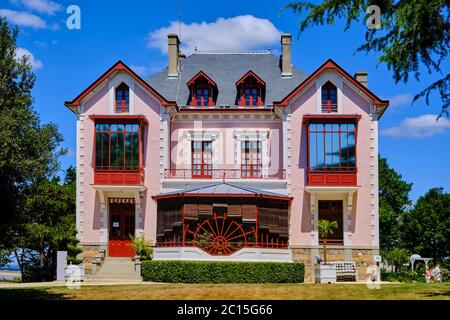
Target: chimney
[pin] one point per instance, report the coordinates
(361, 77)
(286, 67)
(174, 55)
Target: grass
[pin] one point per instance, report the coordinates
(410, 291)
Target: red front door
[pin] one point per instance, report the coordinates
(121, 229)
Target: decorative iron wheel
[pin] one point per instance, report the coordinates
(220, 236)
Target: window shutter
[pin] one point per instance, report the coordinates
(234, 210)
(248, 212)
(191, 211)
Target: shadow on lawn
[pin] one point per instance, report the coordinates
(29, 294)
(436, 294)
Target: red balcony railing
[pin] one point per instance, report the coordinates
(118, 176)
(333, 177)
(225, 174)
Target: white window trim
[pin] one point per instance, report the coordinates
(253, 135)
(200, 135)
(335, 79)
(113, 84)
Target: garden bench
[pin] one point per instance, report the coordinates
(345, 270)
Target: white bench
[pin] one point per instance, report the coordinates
(345, 270)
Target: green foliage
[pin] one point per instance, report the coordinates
(396, 257)
(412, 33)
(29, 151)
(326, 228)
(222, 272)
(407, 276)
(394, 201)
(47, 224)
(142, 247)
(426, 228)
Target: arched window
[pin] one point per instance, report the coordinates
(122, 98)
(329, 98)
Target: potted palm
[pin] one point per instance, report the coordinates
(326, 273)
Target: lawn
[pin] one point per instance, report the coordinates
(234, 291)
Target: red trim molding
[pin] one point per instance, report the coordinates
(198, 75)
(119, 66)
(330, 117)
(119, 118)
(331, 65)
(248, 74)
(224, 195)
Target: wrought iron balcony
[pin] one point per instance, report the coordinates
(225, 174)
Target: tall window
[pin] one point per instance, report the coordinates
(250, 90)
(329, 98)
(122, 98)
(251, 163)
(332, 211)
(116, 146)
(332, 146)
(201, 159)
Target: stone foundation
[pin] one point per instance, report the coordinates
(362, 257)
(91, 253)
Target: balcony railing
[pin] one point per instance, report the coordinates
(118, 175)
(333, 176)
(224, 174)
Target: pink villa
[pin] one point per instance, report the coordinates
(229, 156)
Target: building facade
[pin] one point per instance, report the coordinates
(229, 156)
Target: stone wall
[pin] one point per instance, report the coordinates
(90, 252)
(362, 257)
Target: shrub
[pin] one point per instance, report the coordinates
(142, 247)
(222, 272)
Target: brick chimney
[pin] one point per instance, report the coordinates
(173, 55)
(361, 77)
(286, 65)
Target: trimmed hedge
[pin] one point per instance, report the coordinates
(222, 272)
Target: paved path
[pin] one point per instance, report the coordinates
(87, 283)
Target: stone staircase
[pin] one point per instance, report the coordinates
(115, 270)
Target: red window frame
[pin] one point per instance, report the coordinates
(201, 82)
(255, 93)
(251, 159)
(329, 98)
(323, 129)
(197, 101)
(201, 159)
(128, 127)
(122, 98)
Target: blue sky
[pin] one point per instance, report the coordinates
(67, 61)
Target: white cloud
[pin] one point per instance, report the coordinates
(41, 6)
(35, 63)
(399, 100)
(225, 34)
(148, 69)
(23, 19)
(418, 127)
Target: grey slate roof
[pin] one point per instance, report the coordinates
(225, 69)
(223, 188)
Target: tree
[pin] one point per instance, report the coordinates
(396, 257)
(48, 225)
(29, 151)
(426, 228)
(411, 33)
(325, 229)
(393, 200)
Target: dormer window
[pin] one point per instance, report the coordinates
(122, 98)
(203, 91)
(251, 90)
(329, 98)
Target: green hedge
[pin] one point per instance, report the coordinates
(222, 272)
